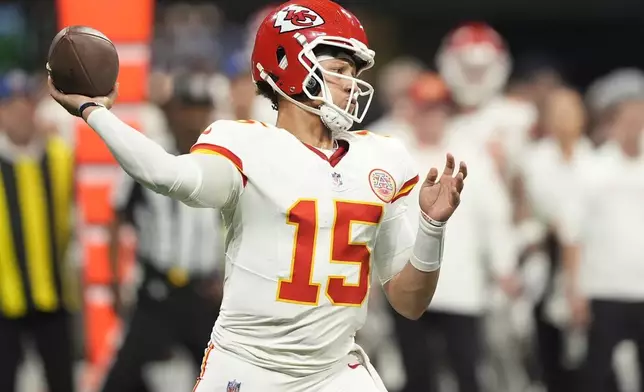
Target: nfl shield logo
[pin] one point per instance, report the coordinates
(233, 386)
(337, 179)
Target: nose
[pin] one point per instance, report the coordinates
(347, 85)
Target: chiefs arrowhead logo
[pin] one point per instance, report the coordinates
(295, 17)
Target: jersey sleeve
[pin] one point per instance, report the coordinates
(396, 236)
(227, 139)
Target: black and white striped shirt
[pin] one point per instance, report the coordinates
(169, 233)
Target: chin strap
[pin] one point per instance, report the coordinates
(334, 120)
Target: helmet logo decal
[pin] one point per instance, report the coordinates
(295, 17)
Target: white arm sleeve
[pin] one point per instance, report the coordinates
(197, 180)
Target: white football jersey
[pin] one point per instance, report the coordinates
(304, 235)
(503, 120)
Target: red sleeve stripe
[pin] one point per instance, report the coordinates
(406, 189)
(204, 148)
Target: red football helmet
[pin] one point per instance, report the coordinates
(474, 62)
(291, 42)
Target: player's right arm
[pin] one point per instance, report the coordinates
(198, 180)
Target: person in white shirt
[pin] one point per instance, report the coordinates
(481, 241)
(550, 173)
(475, 63)
(606, 93)
(604, 263)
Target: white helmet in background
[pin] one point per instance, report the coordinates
(474, 63)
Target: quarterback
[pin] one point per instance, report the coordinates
(311, 209)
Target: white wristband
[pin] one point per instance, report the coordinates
(427, 254)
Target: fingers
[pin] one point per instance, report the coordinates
(459, 182)
(463, 169)
(53, 91)
(455, 197)
(114, 93)
(450, 164)
(432, 176)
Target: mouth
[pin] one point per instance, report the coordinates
(350, 104)
(350, 108)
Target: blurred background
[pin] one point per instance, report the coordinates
(541, 288)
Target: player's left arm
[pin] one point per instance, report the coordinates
(409, 269)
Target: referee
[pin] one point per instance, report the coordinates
(179, 250)
(36, 174)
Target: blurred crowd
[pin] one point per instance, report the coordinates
(541, 286)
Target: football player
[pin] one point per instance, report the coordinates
(475, 63)
(311, 208)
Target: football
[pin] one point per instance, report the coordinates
(82, 60)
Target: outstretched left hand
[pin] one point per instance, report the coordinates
(439, 199)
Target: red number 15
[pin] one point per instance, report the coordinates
(299, 287)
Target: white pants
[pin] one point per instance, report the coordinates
(223, 372)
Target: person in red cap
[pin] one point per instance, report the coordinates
(478, 238)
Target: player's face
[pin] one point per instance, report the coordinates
(340, 87)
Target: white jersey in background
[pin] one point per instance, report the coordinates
(305, 232)
(479, 240)
(503, 120)
(605, 217)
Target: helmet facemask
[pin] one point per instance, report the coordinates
(475, 74)
(338, 118)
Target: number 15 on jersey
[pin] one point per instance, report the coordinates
(299, 287)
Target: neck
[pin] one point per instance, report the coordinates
(242, 113)
(567, 148)
(305, 126)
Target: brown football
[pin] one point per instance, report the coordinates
(82, 60)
